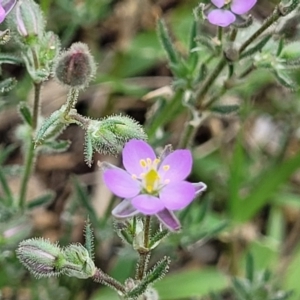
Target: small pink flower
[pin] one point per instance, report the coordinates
(225, 17)
(151, 185)
(5, 7)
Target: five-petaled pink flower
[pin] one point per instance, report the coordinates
(5, 7)
(224, 17)
(151, 185)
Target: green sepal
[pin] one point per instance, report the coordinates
(247, 23)
(207, 43)
(88, 149)
(285, 80)
(40, 201)
(89, 239)
(225, 109)
(79, 263)
(7, 85)
(55, 146)
(157, 237)
(10, 59)
(25, 113)
(257, 47)
(155, 274)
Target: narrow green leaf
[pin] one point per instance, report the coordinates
(167, 42)
(84, 199)
(25, 113)
(284, 79)
(257, 47)
(158, 236)
(41, 200)
(89, 239)
(56, 146)
(10, 59)
(54, 119)
(271, 180)
(225, 109)
(7, 85)
(250, 267)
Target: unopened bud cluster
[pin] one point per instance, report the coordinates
(45, 259)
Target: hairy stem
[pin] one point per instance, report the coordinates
(103, 278)
(71, 100)
(144, 253)
(29, 148)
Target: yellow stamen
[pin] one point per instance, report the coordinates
(166, 167)
(143, 163)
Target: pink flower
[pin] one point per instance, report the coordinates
(225, 17)
(5, 7)
(151, 185)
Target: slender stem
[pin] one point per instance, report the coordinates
(29, 148)
(80, 120)
(29, 161)
(103, 278)
(269, 21)
(209, 81)
(71, 100)
(36, 105)
(145, 252)
(220, 34)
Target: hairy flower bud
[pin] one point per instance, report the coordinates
(29, 20)
(80, 264)
(41, 257)
(75, 67)
(110, 134)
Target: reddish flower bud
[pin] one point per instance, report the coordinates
(75, 67)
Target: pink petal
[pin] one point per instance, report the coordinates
(133, 152)
(147, 204)
(200, 187)
(8, 5)
(168, 219)
(241, 7)
(2, 14)
(180, 166)
(218, 3)
(177, 195)
(221, 17)
(121, 183)
(124, 210)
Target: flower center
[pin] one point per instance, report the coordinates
(151, 179)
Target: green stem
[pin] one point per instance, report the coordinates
(36, 105)
(29, 161)
(209, 81)
(144, 253)
(30, 153)
(269, 21)
(103, 278)
(71, 101)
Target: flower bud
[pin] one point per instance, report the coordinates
(109, 135)
(41, 257)
(29, 20)
(79, 263)
(75, 67)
